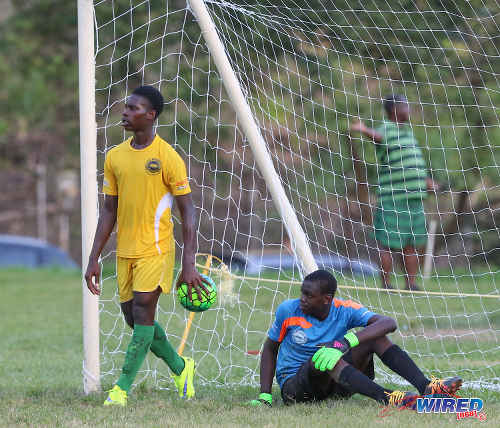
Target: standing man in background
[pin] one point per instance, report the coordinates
(399, 219)
(142, 176)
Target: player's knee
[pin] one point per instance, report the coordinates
(140, 314)
(143, 312)
(127, 308)
(381, 344)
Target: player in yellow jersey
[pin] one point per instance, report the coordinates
(142, 178)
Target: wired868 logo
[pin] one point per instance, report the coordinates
(463, 407)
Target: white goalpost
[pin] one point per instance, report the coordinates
(257, 143)
(258, 101)
(88, 167)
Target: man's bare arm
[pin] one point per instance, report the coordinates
(267, 369)
(189, 274)
(327, 357)
(105, 225)
(268, 365)
(377, 326)
(369, 132)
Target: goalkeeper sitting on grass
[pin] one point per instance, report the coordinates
(403, 185)
(315, 356)
(142, 177)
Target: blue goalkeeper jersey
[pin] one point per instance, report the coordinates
(301, 335)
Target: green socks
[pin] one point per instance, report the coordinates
(162, 348)
(144, 338)
(136, 352)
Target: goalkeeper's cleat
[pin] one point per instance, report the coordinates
(116, 397)
(447, 386)
(184, 381)
(402, 399)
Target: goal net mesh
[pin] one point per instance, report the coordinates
(309, 69)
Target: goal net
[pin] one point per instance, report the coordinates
(309, 69)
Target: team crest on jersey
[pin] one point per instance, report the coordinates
(153, 166)
(299, 336)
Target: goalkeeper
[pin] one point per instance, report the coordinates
(399, 219)
(315, 356)
(142, 176)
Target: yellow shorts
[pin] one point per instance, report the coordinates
(144, 274)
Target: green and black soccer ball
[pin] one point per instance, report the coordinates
(198, 303)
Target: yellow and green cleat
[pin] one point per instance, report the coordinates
(184, 381)
(116, 397)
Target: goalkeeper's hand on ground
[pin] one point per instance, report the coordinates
(329, 355)
(264, 399)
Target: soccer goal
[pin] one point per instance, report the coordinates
(259, 97)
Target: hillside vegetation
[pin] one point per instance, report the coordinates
(307, 73)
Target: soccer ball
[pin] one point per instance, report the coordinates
(198, 303)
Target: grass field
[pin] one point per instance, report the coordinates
(41, 362)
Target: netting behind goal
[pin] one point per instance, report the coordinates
(308, 69)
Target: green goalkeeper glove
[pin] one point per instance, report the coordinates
(328, 356)
(264, 399)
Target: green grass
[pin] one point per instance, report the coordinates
(41, 364)
(442, 333)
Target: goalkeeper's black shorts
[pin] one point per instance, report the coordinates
(309, 385)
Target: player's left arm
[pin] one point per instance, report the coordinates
(373, 134)
(189, 274)
(328, 356)
(377, 326)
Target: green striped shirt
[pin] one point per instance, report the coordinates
(402, 168)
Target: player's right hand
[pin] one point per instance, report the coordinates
(264, 399)
(192, 278)
(92, 277)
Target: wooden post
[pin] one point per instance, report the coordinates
(361, 184)
(41, 200)
(429, 249)
(67, 183)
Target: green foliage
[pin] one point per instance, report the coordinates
(305, 67)
(38, 54)
(440, 54)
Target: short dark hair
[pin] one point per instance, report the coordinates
(326, 281)
(390, 102)
(153, 95)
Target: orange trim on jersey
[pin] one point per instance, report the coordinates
(293, 321)
(346, 303)
(182, 182)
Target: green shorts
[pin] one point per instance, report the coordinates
(400, 224)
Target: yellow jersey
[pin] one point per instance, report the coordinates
(145, 181)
